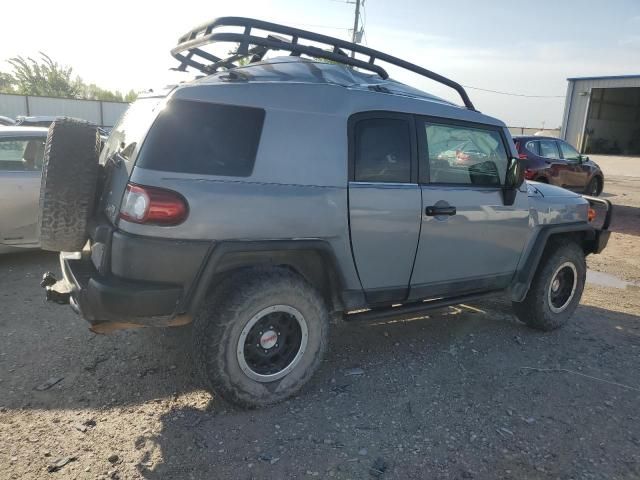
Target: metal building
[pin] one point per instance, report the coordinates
(602, 114)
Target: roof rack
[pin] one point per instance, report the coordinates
(190, 54)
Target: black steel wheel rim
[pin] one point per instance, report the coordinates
(272, 343)
(562, 287)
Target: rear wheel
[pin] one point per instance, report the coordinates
(68, 185)
(556, 288)
(260, 336)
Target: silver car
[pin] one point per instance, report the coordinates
(21, 154)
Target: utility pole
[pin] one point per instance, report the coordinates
(355, 25)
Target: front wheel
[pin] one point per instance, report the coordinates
(556, 288)
(260, 336)
(594, 187)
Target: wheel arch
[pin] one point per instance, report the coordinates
(545, 237)
(313, 260)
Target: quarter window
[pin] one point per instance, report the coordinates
(465, 155)
(203, 138)
(21, 154)
(548, 149)
(382, 151)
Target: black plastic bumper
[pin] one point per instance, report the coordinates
(105, 298)
(602, 233)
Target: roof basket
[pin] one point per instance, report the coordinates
(272, 36)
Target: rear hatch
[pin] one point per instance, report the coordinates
(119, 153)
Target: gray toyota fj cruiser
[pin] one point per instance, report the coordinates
(261, 201)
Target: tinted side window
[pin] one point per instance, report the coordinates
(21, 154)
(533, 147)
(198, 137)
(548, 149)
(383, 150)
(465, 155)
(568, 152)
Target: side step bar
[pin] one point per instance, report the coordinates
(417, 308)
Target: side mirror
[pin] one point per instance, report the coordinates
(515, 174)
(583, 158)
(513, 180)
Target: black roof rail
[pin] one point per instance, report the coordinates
(190, 54)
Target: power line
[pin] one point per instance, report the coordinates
(322, 26)
(513, 94)
(362, 15)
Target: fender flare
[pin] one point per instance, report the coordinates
(530, 259)
(312, 259)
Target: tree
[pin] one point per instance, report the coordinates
(44, 77)
(6, 83)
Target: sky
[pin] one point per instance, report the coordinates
(522, 47)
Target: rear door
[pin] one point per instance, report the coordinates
(20, 171)
(384, 203)
(470, 240)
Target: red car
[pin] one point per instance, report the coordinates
(554, 161)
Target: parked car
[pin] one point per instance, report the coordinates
(554, 161)
(21, 155)
(263, 201)
(6, 121)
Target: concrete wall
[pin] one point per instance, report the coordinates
(577, 104)
(101, 113)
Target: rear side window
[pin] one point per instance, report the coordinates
(548, 149)
(204, 138)
(465, 155)
(21, 154)
(382, 151)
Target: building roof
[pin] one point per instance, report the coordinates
(606, 77)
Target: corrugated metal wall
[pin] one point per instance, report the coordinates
(577, 103)
(101, 113)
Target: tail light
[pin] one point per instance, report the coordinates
(523, 156)
(529, 174)
(153, 206)
(592, 214)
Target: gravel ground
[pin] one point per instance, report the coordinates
(467, 392)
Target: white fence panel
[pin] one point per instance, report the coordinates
(84, 109)
(12, 105)
(101, 113)
(112, 111)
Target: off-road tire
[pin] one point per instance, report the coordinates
(535, 310)
(68, 185)
(218, 324)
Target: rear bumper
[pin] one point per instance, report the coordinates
(105, 298)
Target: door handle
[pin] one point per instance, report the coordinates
(434, 211)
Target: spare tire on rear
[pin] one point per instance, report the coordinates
(68, 187)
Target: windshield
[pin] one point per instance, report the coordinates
(130, 129)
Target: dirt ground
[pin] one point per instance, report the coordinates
(466, 393)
